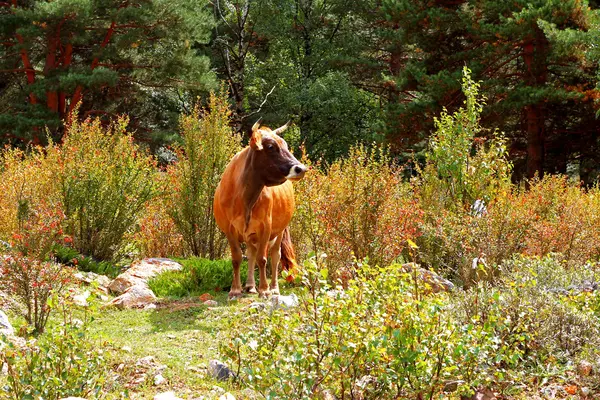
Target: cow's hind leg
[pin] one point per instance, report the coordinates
(236, 260)
(275, 257)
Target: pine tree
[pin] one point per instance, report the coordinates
(531, 56)
(111, 55)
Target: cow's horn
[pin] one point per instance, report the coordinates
(282, 129)
(256, 125)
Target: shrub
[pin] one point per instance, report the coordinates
(197, 276)
(357, 208)
(209, 144)
(544, 301)
(460, 167)
(105, 182)
(380, 338)
(28, 183)
(553, 216)
(158, 235)
(61, 363)
(26, 271)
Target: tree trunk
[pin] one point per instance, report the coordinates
(536, 71)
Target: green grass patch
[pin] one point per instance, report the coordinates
(198, 275)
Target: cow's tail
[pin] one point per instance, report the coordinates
(288, 255)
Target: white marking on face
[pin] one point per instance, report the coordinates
(297, 171)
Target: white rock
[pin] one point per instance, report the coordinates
(126, 349)
(167, 396)
(147, 361)
(5, 326)
(159, 380)
(284, 302)
(211, 303)
(150, 306)
(81, 299)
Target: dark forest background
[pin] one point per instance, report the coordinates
(343, 71)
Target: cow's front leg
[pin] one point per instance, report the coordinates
(250, 284)
(236, 260)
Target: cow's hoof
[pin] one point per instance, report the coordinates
(275, 290)
(235, 294)
(265, 294)
(250, 289)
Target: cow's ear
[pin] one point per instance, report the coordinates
(256, 140)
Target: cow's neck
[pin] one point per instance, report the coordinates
(253, 186)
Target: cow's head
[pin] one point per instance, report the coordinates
(271, 157)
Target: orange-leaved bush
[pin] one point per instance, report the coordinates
(356, 208)
(552, 216)
(29, 181)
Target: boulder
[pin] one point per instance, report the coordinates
(5, 327)
(284, 302)
(167, 396)
(435, 282)
(140, 272)
(219, 371)
(134, 297)
(91, 277)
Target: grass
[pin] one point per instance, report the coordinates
(183, 335)
(198, 276)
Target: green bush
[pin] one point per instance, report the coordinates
(105, 181)
(209, 144)
(380, 338)
(61, 363)
(460, 168)
(197, 276)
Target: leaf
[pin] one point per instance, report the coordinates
(412, 244)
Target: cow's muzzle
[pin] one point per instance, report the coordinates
(297, 172)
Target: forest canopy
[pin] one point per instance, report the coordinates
(345, 72)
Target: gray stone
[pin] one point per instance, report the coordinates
(159, 380)
(5, 326)
(435, 282)
(219, 371)
(167, 396)
(257, 306)
(284, 302)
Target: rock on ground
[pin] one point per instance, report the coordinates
(219, 371)
(167, 396)
(140, 272)
(284, 302)
(435, 282)
(5, 326)
(135, 296)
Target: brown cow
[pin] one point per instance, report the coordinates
(254, 203)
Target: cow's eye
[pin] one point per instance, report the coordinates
(270, 147)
